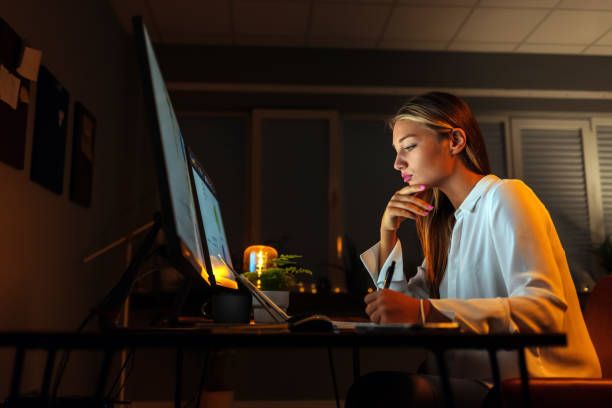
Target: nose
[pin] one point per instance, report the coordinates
(399, 163)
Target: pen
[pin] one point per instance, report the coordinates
(389, 276)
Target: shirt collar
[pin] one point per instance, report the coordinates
(477, 191)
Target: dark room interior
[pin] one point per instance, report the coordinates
(284, 114)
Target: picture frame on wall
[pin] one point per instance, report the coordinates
(50, 130)
(83, 148)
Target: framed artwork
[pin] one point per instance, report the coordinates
(81, 175)
(13, 119)
(50, 128)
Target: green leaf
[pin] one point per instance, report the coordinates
(281, 275)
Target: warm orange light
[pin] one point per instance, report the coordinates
(202, 268)
(223, 275)
(339, 247)
(261, 261)
(203, 273)
(186, 252)
(258, 257)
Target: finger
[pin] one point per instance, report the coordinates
(411, 199)
(410, 207)
(409, 213)
(376, 316)
(412, 189)
(398, 212)
(370, 297)
(370, 309)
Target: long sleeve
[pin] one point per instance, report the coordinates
(417, 285)
(529, 258)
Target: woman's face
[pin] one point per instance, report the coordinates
(421, 158)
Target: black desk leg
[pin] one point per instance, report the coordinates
(356, 364)
(524, 377)
(444, 377)
(496, 377)
(333, 373)
(202, 377)
(46, 384)
(17, 372)
(178, 385)
(104, 371)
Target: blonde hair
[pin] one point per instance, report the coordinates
(443, 112)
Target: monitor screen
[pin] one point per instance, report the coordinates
(178, 207)
(214, 231)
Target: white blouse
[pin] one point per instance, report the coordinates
(506, 273)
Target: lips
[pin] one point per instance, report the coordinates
(406, 177)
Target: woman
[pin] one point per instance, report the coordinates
(493, 260)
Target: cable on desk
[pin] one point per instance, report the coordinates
(333, 373)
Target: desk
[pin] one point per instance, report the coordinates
(180, 339)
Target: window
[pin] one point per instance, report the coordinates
(552, 157)
(604, 153)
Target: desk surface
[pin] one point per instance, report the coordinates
(198, 338)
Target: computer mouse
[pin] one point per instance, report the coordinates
(313, 323)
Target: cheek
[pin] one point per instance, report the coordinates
(433, 161)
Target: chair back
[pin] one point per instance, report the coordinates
(597, 315)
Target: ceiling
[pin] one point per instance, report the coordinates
(514, 26)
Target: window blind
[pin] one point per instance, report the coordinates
(604, 150)
(553, 166)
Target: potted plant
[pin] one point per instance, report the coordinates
(276, 281)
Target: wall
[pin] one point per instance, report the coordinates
(43, 236)
(378, 68)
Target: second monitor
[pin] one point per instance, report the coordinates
(215, 244)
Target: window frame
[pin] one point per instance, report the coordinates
(334, 185)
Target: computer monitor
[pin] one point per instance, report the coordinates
(213, 231)
(178, 209)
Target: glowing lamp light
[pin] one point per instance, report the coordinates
(257, 258)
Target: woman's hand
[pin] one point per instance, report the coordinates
(403, 205)
(390, 306)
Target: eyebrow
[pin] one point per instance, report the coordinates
(405, 137)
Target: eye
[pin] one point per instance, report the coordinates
(410, 147)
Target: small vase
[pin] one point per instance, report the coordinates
(280, 297)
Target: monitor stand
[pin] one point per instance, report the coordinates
(109, 308)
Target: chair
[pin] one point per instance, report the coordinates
(576, 392)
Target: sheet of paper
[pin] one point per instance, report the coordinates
(30, 63)
(9, 87)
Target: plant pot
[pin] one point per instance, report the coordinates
(280, 297)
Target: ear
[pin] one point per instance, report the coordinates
(457, 141)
